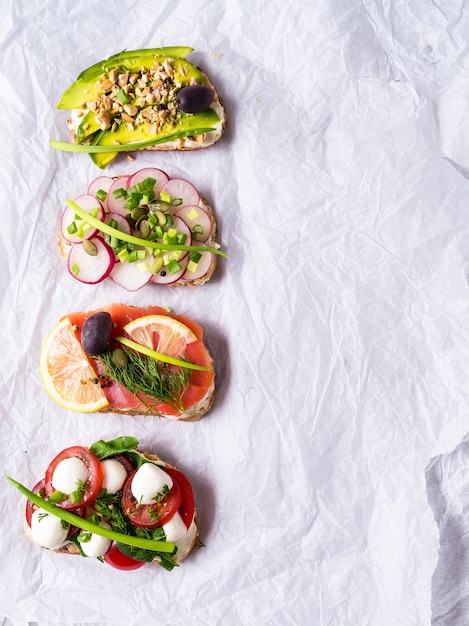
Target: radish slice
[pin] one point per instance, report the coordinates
(202, 268)
(91, 269)
(88, 203)
(104, 183)
(182, 228)
(196, 217)
(123, 223)
(116, 205)
(129, 276)
(182, 192)
(149, 172)
(166, 278)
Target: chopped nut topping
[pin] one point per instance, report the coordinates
(150, 94)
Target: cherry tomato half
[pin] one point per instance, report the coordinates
(150, 515)
(93, 483)
(187, 506)
(115, 558)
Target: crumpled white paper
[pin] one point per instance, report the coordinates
(338, 324)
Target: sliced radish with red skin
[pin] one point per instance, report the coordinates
(149, 172)
(116, 205)
(203, 266)
(129, 276)
(164, 277)
(183, 190)
(90, 269)
(196, 216)
(88, 203)
(180, 225)
(123, 223)
(101, 183)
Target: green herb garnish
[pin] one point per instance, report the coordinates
(144, 376)
(83, 524)
(105, 228)
(159, 356)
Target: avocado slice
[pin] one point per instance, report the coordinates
(84, 88)
(187, 126)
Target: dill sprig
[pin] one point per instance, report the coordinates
(144, 376)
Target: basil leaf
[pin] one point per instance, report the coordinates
(104, 449)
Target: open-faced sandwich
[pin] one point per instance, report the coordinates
(129, 360)
(140, 228)
(142, 99)
(113, 502)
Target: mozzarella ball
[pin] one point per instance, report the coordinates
(68, 474)
(115, 475)
(148, 481)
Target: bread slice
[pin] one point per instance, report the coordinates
(190, 142)
(64, 247)
(185, 546)
(197, 397)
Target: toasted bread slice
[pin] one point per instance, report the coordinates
(184, 546)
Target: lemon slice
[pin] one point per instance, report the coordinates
(161, 333)
(66, 372)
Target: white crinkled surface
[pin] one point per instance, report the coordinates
(330, 462)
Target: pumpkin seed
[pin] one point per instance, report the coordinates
(144, 229)
(90, 247)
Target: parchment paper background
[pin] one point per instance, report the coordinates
(331, 475)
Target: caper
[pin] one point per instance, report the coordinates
(90, 247)
(138, 212)
(144, 229)
(119, 357)
(96, 332)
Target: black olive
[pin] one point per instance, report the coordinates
(96, 333)
(195, 98)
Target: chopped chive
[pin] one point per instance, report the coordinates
(122, 97)
(76, 496)
(123, 255)
(195, 257)
(132, 256)
(198, 229)
(75, 269)
(57, 496)
(173, 267)
(119, 193)
(165, 196)
(113, 223)
(181, 238)
(169, 220)
(101, 195)
(72, 228)
(192, 214)
(176, 202)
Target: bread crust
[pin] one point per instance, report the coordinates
(71, 549)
